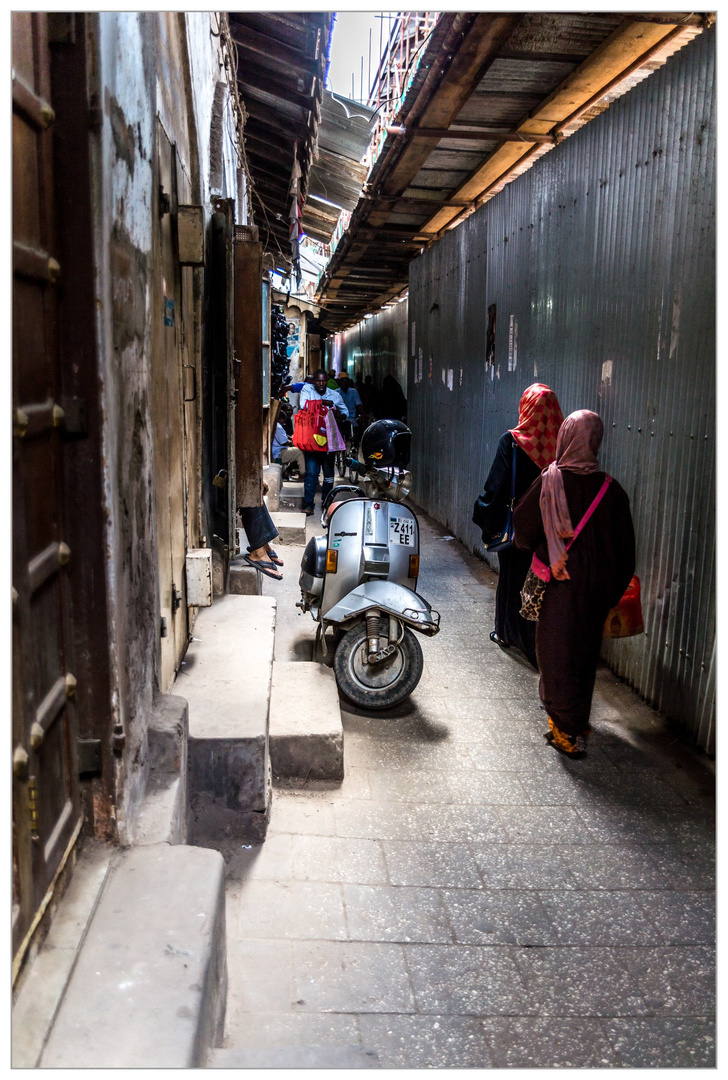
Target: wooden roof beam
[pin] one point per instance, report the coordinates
(630, 46)
(478, 133)
(477, 51)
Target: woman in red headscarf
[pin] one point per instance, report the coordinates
(534, 442)
(586, 580)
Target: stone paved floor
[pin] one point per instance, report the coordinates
(468, 897)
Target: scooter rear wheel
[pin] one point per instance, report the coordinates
(382, 685)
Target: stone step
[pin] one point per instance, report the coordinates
(226, 681)
(43, 983)
(291, 527)
(272, 474)
(295, 1057)
(291, 495)
(243, 580)
(306, 733)
(162, 815)
(149, 983)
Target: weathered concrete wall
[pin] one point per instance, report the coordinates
(599, 265)
(148, 68)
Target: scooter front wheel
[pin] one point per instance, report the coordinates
(382, 685)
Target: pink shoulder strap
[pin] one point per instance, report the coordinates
(597, 499)
(540, 569)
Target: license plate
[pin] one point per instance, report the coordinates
(402, 531)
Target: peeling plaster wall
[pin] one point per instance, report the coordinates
(145, 65)
(207, 74)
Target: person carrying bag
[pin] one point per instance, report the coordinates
(317, 434)
(585, 579)
(522, 453)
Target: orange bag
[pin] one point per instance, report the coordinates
(309, 427)
(625, 620)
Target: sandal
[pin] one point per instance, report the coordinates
(565, 744)
(273, 556)
(263, 567)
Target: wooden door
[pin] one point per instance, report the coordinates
(168, 422)
(46, 814)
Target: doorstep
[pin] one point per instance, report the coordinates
(132, 973)
(226, 679)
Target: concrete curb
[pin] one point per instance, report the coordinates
(149, 986)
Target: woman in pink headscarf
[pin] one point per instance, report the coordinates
(586, 580)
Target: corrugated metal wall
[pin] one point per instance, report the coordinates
(601, 263)
(376, 346)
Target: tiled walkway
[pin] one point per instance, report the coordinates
(468, 897)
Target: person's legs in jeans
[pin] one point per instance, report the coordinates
(313, 465)
(329, 467)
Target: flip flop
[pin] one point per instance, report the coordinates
(263, 567)
(273, 555)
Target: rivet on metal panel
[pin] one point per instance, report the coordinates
(47, 115)
(54, 270)
(58, 416)
(71, 684)
(37, 735)
(64, 553)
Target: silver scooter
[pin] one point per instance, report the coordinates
(361, 580)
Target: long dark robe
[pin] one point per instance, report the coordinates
(510, 627)
(600, 565)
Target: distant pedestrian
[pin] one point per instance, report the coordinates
(533, 441)
(283, 452)
(391, 404)
(316, 461)
(368, 394)
(586, 581)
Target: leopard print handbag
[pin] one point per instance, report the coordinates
(532, 594)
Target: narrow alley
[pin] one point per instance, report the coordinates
(283, 799)
(466, 897)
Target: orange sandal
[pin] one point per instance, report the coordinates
(572, 747)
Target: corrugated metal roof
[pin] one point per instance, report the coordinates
(281, 68)
(519, 78)
(337, 174)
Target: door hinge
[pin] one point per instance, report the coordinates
(89, 758)
(163, 628)
(75, 416)
(165, 202)
(33, 807)
(119, 738)
(176, 598)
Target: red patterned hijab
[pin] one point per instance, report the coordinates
(539, 420)
(578, 444)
